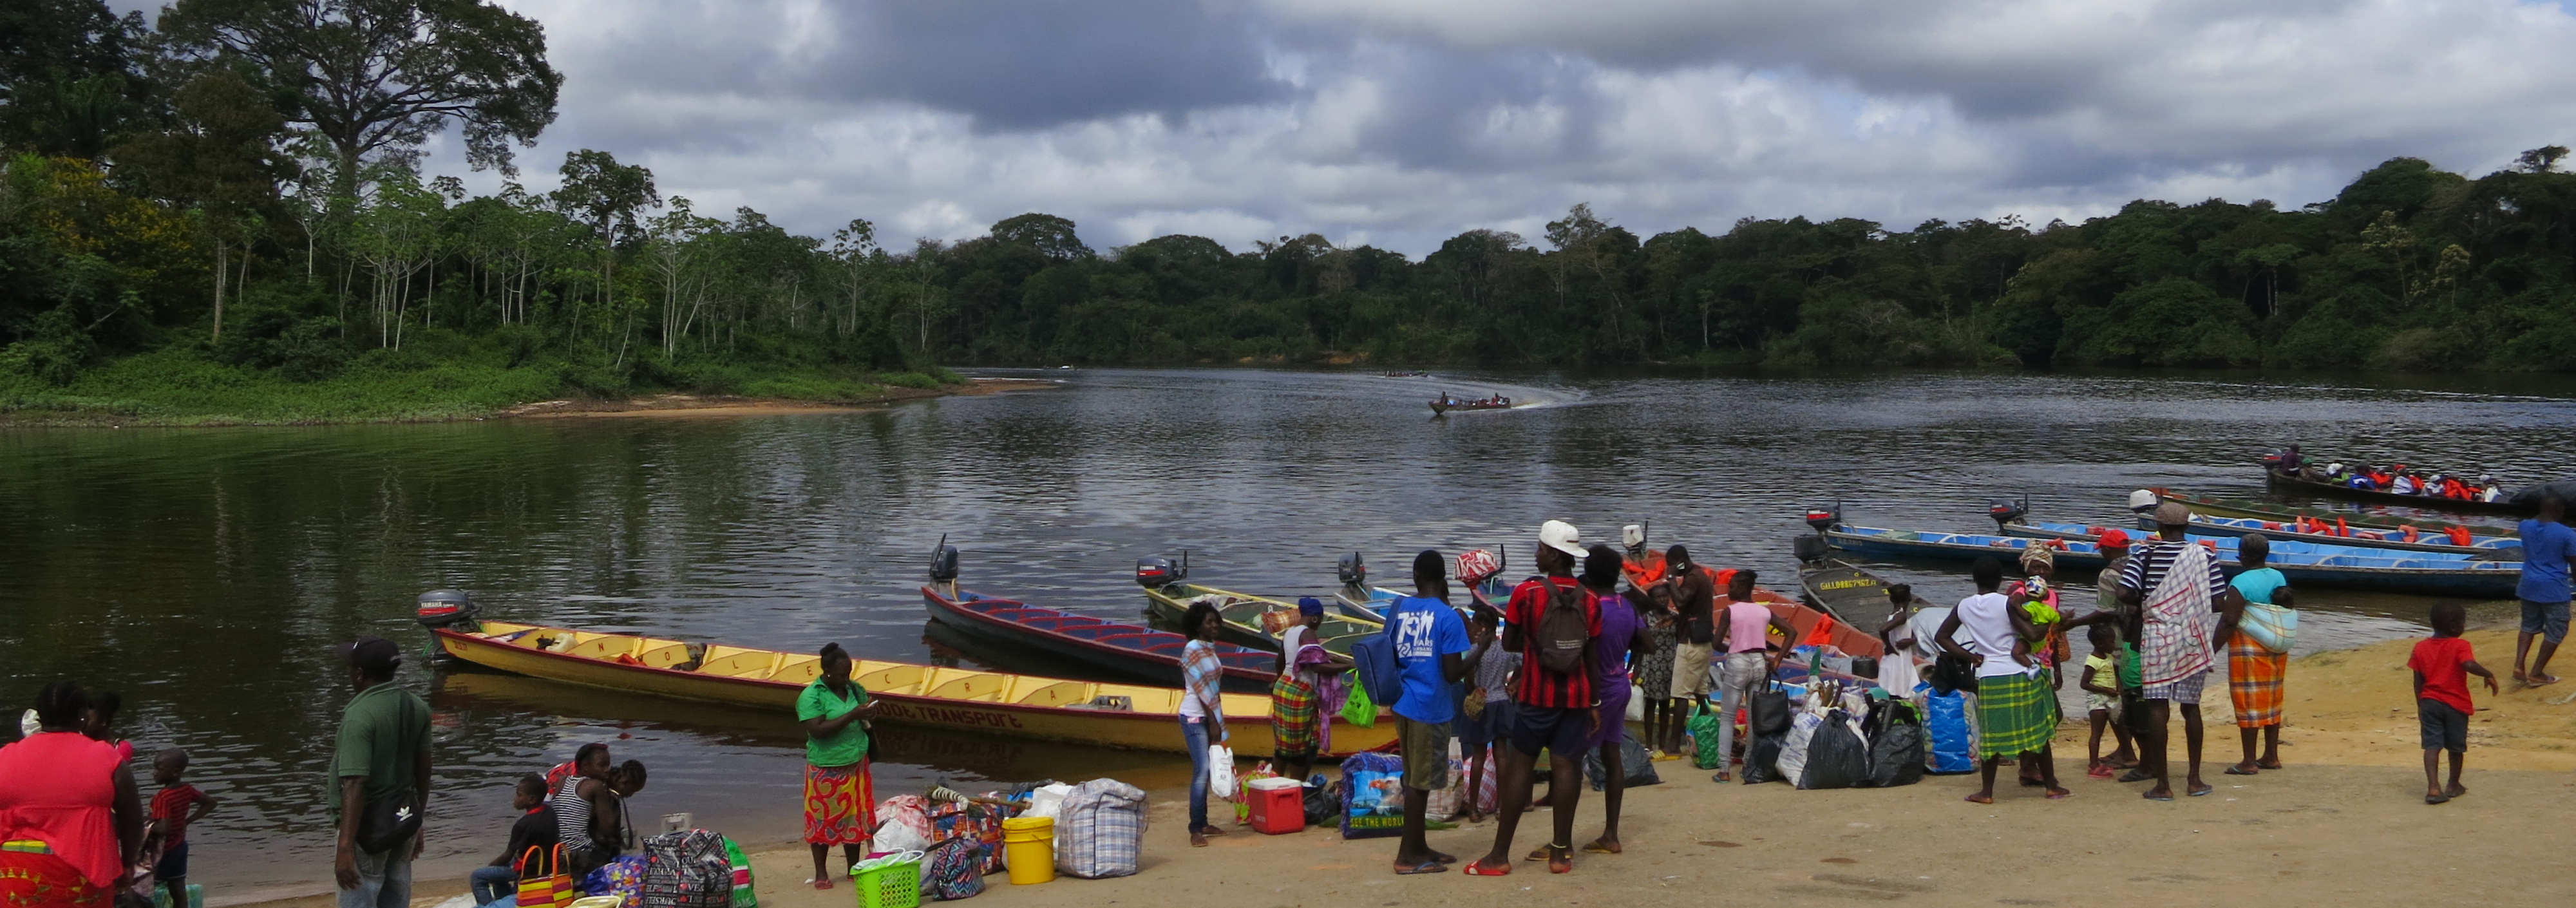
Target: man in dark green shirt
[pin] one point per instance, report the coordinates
(382, 758)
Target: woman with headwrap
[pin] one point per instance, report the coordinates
(1306, 694)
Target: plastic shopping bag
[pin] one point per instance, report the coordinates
(1221, 772)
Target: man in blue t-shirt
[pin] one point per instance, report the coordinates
(1430, 647)
(2548, 545)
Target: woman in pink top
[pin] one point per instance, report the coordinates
(1743, 625)
(70, 821)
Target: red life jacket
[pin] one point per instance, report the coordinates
(2459, 535)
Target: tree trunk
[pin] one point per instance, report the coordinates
(220, 272)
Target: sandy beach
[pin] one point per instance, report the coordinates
(2344, 821)
(713, 405)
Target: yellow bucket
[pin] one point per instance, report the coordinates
(1028, 849)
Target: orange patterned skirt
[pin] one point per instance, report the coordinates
(33, 880)
(2254, 677)
(840, 804)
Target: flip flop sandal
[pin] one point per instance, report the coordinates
(2271, 766)
(2437, 799)
(1477, 868)
(2234, 771)
(1596, 848)
(2542, 681)
(2135, 776)
(1424, 867)
(2060, 795)
(1536, 854)
(2204, 790)
(1561, 864)
(2155, 798)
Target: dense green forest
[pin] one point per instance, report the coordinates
(225, 214)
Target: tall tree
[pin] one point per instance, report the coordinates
(221, 158)
(68, 85)
(606, 195)
(379, 77)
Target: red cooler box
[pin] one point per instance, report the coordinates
(1278, 805)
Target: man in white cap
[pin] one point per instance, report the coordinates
(1556, 709)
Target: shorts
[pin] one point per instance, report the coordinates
(2445, 726)
(1426, 753)
(1493, 727)
(2094, 703)
(174, 862)
(1559, 731)
(1691, 663)
(2548, 619)
(2184, 691)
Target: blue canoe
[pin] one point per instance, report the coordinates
(2433, 575)
(1370, 604)
(2385, 540)
(2282, 546)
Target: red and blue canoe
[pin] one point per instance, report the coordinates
(1129, 649)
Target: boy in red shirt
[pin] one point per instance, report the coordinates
(175, 806)
(2443, 664)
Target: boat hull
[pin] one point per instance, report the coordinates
(2331, 490)
(967, 707)
(2221, 507)
(2480, 579)
(1241, 627)
(1241, 674)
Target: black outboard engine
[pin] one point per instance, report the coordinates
(943, 562)
(2005, 512)
(1353, 571)
(1810, 549)
(1156, 573)
(449, 609)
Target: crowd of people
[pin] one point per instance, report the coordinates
(1550, 672)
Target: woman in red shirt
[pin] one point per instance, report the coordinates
(70, 820)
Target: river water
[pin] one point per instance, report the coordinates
(204, 573)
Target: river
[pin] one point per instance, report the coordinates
(204, 573)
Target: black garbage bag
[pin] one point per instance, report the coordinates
(1896, 755)
(1323, 802)
(1836, 756)
(1635, 765)
(1952, 672)
(1762, 757)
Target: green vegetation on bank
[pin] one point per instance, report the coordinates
(205, 223)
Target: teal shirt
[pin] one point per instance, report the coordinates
(818, 702)
(2257, 585)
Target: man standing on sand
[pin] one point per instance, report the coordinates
(2548, 548)
(382, 767)
(1694, 595)
(1429, 644)
(2177, 587)
(1555, 709)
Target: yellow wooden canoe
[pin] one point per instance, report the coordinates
(1079, 712)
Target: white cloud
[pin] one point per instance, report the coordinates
(1406, 121)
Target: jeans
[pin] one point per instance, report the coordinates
(1743, 673)
(1194, 735)
(491, 883)
(384, 880)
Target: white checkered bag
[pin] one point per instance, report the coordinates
(1100, 830)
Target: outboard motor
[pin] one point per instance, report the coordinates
(2143, 502)
(1810, 549)
(1823, 519)
(2005, 512)
(943, 568)
(1156, 573)
(1353, 570)
(449, 609)
(1633, 538)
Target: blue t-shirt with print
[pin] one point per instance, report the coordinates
(2546, 545)
(1425, 630)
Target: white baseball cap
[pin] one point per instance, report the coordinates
(1561, 536)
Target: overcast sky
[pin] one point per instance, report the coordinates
(1402, 122)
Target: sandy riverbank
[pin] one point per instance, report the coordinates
(2344, 821)
(707, 405)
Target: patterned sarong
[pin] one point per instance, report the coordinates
(1292, 716)
(840, 804)
(33, 878)
(2015, 714)
(2254, 681)
(2178, 620)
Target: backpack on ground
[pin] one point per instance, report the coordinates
(687, 869)
(954, 869)
(1564, 635)
(1636, 766)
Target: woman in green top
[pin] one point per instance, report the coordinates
(840, 804)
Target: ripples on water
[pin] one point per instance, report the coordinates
(205, 572)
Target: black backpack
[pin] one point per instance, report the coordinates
(1563, 633)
